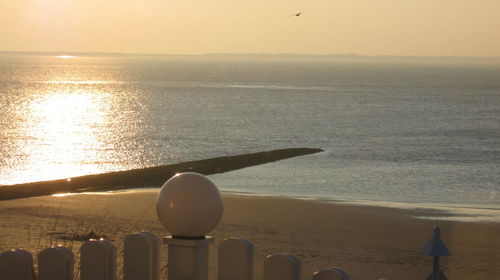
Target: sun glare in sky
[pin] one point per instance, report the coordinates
(410, 27)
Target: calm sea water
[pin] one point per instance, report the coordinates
(393, 132)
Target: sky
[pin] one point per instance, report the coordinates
(365, 27)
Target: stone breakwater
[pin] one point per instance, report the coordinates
(147, 177)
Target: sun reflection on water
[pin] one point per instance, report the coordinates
(66, 126)
(69, 82)
(72, 117)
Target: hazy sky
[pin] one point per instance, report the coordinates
(367, 27)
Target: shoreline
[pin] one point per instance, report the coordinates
(368, 242)
(424, 211)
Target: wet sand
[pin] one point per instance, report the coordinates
(368, 242)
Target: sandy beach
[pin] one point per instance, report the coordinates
(367, 242)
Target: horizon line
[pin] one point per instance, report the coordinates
(264, 54)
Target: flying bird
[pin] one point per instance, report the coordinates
(296, 15)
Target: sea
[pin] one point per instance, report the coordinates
(404, 134)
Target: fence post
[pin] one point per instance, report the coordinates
(55, 263)
(156, 253)
(235, 259)
(332, 273)
(282, 266)
(141, 260)
(97, 260)
(16, 265)
(189, 206)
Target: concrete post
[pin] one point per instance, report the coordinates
(55, 263)
(16, 265)
(236, 259)
(282, 266)
(189, 206)
(187, 258)
(97, 260)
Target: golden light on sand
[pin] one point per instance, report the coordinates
(82, 193)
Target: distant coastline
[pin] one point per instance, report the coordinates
(274, 56)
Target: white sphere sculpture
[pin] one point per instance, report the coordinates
(189, 205)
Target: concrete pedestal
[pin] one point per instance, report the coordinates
(187, 258)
